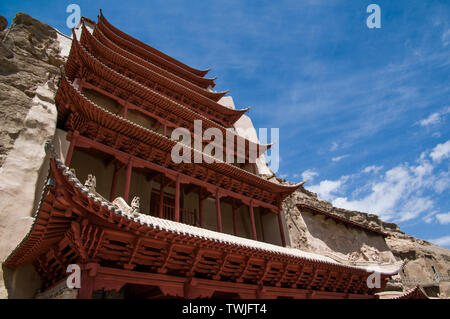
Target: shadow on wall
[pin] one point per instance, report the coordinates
(22, 283)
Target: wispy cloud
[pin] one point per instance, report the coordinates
(441, 152)
(372, 169)
(334, 146)
(339, 158)
(398, 195)
(429, 218)
(327, 189)
(442, 241)
(435, 118)
(443, 218)
(446, 38)
(309, 175)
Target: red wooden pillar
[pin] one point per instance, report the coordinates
(161, 197)
(112, 194)
(261, 222)
(86, 284)
(218, 212)
(125, 110)
(234, 218)
(177, 199)
(80, 86)
(73, 141)
(200, 209)
(252, 219)
(280, 225)
(128, 180)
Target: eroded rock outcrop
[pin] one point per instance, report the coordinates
(426, 264)
(29, 75)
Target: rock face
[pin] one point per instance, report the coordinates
(426, 264)
(29, 75)
(3, 23)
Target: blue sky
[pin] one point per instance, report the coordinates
(363, 113)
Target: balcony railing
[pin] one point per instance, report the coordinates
(186, 216)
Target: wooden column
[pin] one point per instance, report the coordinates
(252, 219)
(200, 209)
(177, 199)
(126, 192)
(88, 275)
(218, 212)
(261, 222)
(73, 141)
(234, 218)
(125, 110)
(280, 225)
(87, 286)
(161, 197)
(112, 194)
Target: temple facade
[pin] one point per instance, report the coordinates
(144, 226)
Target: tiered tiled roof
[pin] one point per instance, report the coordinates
(108, 44)
(82, 63)
(155, 147)
(146, 53)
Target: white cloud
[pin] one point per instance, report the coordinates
(402, 193)
(372, 169)
(442, 241)
(432, 119)
(339, 158)
(436, 134)
(440, 152)
(414, 207)
(334, 146)
(435, 118)
(325, 188)
(397, 195)
(443, 218)
(446, 38)
(429, 217)
(384, 196)
(309, 175)
(442, 182)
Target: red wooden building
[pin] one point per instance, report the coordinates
(209, 229)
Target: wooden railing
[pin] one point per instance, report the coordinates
(186, 216)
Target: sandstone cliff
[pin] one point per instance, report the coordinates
(29, 74)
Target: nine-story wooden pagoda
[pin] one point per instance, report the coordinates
(199, 229)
